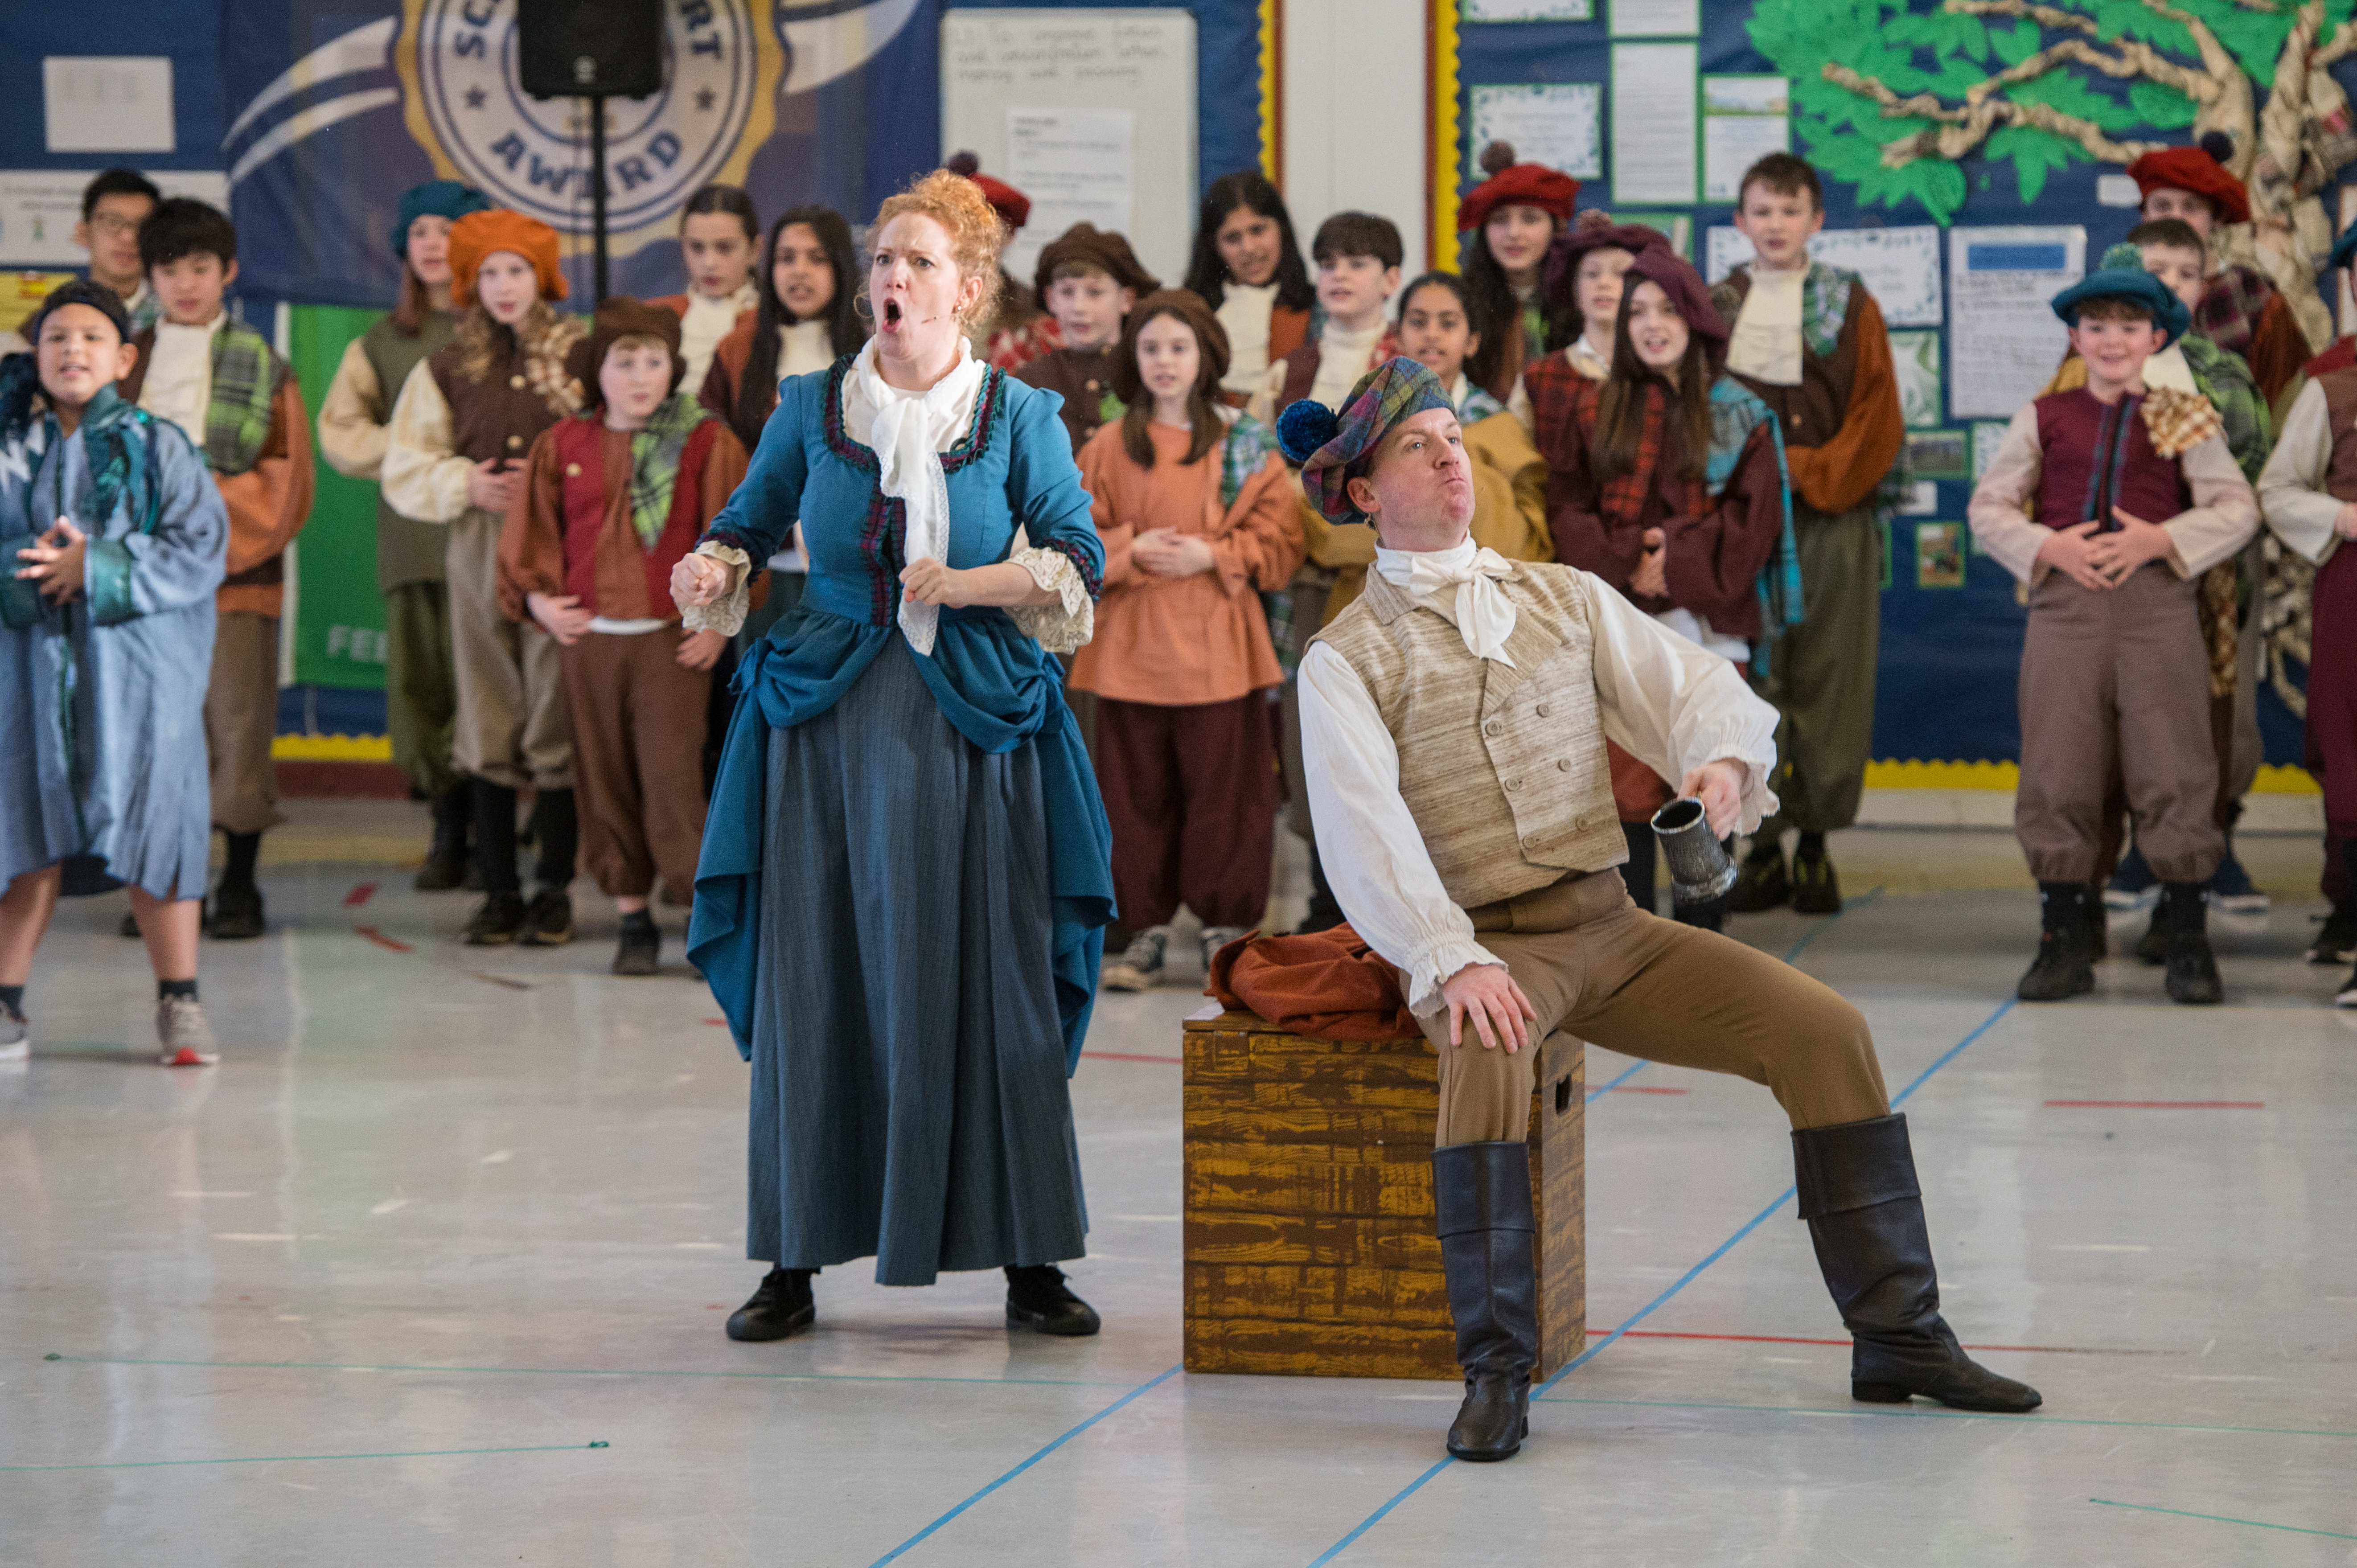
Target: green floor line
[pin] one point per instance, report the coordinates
(1951, 1415)
(2221, 1519)
(584, 1371)
(302, 1459)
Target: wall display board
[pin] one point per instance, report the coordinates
(1922, 187)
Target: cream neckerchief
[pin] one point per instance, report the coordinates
(1581, 356)
(907, 432)
(1461, 586)
(2168, 368)
(180, 384)
(1245, 315)
(1766, 343)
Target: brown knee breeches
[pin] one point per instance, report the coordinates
(1595, 966)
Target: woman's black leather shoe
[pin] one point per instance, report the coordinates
(782, 1307)
(1038, 1298)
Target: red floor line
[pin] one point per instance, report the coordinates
(2162, 1104)
(1790, 1339)
(359, 895)
(721, 1022)
(380, 939)
(1127, 1057)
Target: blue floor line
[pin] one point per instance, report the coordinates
(1819, 929)
(1686, 1279)
(1596, 1094)
(918, 1538)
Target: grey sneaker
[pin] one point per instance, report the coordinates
(15, 1035)
(182, 1035)
(1214, 939)
(1140, 967)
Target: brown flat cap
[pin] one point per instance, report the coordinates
(621, 316)
(1100, 248)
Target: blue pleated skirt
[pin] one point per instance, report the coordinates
(909, 1099)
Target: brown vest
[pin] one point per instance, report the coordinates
(499, 417)
(2340, 412)
(1501, 766)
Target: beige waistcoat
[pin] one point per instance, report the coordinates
(1503, 767)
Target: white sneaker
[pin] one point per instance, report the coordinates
(1214, 939)
(15, 1037)
(1140, 967)
(183, 1036)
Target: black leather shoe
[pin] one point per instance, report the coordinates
(497, 921)
(2152, 948)
(1038, 1298)
(235, 915)
(2182, 918)
(549, 922)
(1494, 1419)
(446, 862)
(1815, 889)
(1481, 1207)
(782, 1307)
(2060, 969)
(641, 951)
(1761, 882)
(1864, 1211)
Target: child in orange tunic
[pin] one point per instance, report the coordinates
(1197, 515)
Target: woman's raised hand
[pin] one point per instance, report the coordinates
(701, 580)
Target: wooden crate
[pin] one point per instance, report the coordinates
(1309, 1246)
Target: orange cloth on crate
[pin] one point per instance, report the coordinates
(1182, 641)
(1328, 983)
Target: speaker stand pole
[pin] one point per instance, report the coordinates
(598, 199)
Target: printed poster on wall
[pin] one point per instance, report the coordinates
(1900, 266)
(2004, 340)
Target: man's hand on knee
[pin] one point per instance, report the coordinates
(1486, 993)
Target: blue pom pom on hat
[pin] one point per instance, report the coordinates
(1303, 428)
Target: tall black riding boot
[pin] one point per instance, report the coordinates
(2063, 968)
(445, 865)
(1865, 1216)
(1481, 1195)
(2192, 971)
(499, 919)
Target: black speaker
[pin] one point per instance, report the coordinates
(590, 48)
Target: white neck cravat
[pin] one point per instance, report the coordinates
(907, 430)
(1766, 342)
(1461, 586)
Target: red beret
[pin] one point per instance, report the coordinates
(1014, 208)
(2193, 169)
(1515, 185)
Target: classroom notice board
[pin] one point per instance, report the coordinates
(1090, 114)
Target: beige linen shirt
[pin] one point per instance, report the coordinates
(2292, 496)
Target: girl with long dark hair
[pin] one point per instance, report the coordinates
(1247, 267)
(806, 319)
(1667, 480)
(1513, 216)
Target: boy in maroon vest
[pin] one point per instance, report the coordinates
(2134, 494)
(612, 498)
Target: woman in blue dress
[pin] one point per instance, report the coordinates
(904, 886)
(112, 538)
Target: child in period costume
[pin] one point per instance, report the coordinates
(1016, 329)
(1196, 511)
(1090, 281)
(113, 538)
(421, 690)
(1807, 339)
(1667, 482)
(462, 426)
(1358, 256)
(719, 238)
(2240, 311)
(2170, 250)
(2309, 494)
(2134, 495)
(1514, 216)
(1583, 278)
(611, 500)
(1247, 266)
(221, 382)
(1454, 722)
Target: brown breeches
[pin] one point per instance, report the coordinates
(2116, 675)
(1597, 967)
(1191, 795)
(241, 717)
(638, 760)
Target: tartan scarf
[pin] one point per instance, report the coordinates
(1243, 452)
(2229, 312)
(246, 375)
(655, 450)
(1825, 305)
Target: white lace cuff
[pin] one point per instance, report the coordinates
(1437, 964)
(1067, 624)
(727, 616)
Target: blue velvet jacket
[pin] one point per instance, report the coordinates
(994, 684)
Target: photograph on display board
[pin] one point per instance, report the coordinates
(1939, 554)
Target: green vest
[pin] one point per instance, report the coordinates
(406, 551)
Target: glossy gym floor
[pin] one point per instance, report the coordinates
(432, 1271)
